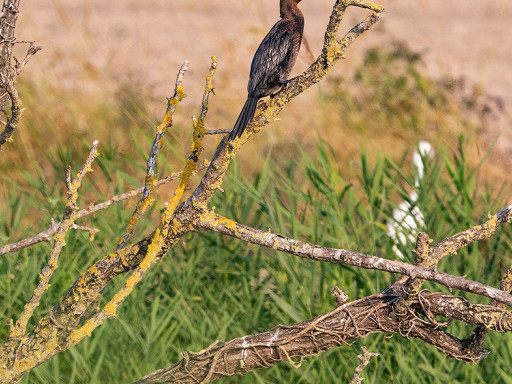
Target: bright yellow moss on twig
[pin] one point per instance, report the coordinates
(196, 145)
(150, 183)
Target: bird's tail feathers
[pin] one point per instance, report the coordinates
(244, 118)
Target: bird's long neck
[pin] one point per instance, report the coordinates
(289, 9)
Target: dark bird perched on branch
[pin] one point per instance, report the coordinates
(272, 62)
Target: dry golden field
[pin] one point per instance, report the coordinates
(94, 48)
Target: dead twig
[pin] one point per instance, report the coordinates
(364, 360)
(146, 199)
(68, 220)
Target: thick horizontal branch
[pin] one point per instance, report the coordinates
(457, 308)
(214, 222)
(349, 322)
(429, 257)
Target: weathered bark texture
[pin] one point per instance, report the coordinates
(8, 73)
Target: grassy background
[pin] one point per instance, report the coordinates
(213, 287)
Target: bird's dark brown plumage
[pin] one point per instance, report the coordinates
(272, 62)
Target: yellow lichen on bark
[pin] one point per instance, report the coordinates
(157, 240)
(333, 50)
(216, 220)
(364, 4)
(150, 182)
(482, 231)
(196, 147)
(110, 309)
(59, 241)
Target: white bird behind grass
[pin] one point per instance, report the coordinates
(407, 218)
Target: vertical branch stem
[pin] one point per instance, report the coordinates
(146, 200)
(59, 242)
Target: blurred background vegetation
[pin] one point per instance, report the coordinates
(334, 179)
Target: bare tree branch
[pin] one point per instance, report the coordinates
(46, 235)
(401, 309)
(433, 304)
(214, 222)
(157, 242)
(146, 199)
(477, 233)
(69, 217)
(217, 132)
(476, 341)
(333, 51)
(176, 220)
(14, 119)
(8, 75)
(64, 320)
(32, 50)
(364, 360)
(343, 325)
